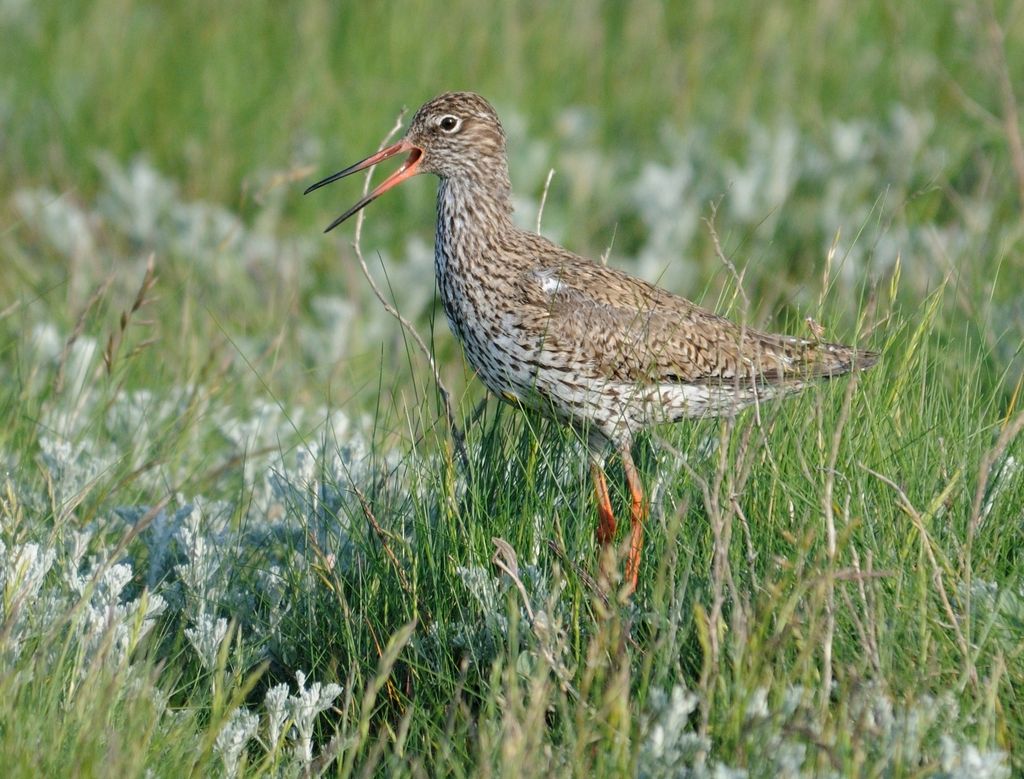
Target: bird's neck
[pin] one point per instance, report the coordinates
(471, 211)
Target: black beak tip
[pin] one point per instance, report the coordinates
(313, 187)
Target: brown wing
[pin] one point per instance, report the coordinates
(632, 331)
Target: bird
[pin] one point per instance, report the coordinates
(583, 343)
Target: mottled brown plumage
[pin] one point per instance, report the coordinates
(586, 344)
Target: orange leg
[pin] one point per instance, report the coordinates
(637, 514)
(605, 517)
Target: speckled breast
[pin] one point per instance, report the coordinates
(493, 344)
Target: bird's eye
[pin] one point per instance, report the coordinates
(449, 123)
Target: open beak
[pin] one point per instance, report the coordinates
(409, 169)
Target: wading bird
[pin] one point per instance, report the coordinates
(588, 345)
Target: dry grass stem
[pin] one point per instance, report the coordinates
(458, 438)
(116, 338)
(544, 197)
(724, 259)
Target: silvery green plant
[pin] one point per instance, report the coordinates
(23, 568)
(303, 709)
(67, 227)
(145, 207)
(776, 738)
(203, 538)
(206, 635)
(671, 746)
(275, 703)
(159, 536)
(481, 636)
(73, 468)
(966, 761)
(234, 735)
(110, 621)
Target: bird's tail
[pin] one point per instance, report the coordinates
(785, 361)
(825, 360)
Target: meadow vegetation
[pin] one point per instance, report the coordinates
(239, 534)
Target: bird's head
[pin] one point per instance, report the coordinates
(456, 135)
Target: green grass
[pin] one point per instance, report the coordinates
(831, 585)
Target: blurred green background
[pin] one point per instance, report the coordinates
(215, 91)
